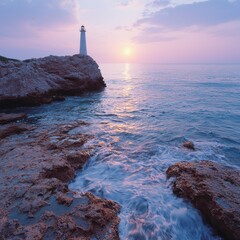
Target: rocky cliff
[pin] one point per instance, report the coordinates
(37, 81)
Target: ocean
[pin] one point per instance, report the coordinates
(139, 123)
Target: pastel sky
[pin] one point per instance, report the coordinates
(151, 31)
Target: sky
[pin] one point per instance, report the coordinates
(139, 31)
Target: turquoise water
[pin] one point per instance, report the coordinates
(140, 122)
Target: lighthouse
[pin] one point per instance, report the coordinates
(83, 44)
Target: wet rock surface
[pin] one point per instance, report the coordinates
(12, 129)
(35, 168)
(37, 81)
(13, 117)
(189, 145)
(212, 188)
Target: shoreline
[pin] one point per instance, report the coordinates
(38, 162)
(37, 165)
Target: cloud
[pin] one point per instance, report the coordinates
(26, 17)
(155, 5)
(159, 3)
(228, 30)
(196, 16)
(153, 37)
(124, 28)
(205, 13)
(124, 3)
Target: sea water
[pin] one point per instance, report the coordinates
(140, 122)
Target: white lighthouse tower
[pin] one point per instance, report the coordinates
(83, 44)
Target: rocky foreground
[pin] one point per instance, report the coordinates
(37, 81)
(36, 165)
(212, 188)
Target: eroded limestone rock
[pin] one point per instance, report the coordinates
(35, 169)
(37, 81)
(212, 188)
(11, 117)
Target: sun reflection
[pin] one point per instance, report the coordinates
(127, 104)
(126, 73)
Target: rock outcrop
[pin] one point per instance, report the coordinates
(37, 81)
(7, 118)
(212, 188)
(12, 129)
(189, 145)
(35, 169)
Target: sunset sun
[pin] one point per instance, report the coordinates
(127, 51)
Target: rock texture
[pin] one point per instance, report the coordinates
(37, 81)
(7, 118)
(36, 165)
(12, 129)
(189, 145)
(212, 188)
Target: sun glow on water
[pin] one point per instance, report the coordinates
(126, 72)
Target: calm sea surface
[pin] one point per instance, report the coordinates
(140, 122)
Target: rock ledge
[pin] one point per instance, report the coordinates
(212, 188)
(36, 166)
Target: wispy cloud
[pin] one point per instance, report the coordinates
(155, 5)
(198, 15)
(26, 17)
(206, 13)
(124, 3)
(154, 34)
(124, 28)
(158, 3)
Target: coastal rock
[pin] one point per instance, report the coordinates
(78, 159)
(189, 145)
(38, 81)
(35, 169)
(63, 199)
(11, 117)
(61, 171)
(212, 188)
(12, 129)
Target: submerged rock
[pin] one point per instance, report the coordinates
(212, 188)
(189, 145)
(37, 81)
